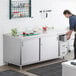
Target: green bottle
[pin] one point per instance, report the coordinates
(14, 32)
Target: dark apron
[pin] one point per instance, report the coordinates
(75, 44)
(75, 47)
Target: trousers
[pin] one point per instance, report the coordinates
(75, 47)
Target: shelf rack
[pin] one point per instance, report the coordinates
(20, 9)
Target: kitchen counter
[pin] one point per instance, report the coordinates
(24, 50)
(43, 34)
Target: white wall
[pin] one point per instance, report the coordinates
(55, 18)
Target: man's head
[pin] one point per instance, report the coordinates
(67, 13)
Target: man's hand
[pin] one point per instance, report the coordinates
(68, 37)
(68, 34)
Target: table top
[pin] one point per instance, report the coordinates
(68, 64)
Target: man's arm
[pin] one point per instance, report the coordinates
(71, 29)
(69, 34)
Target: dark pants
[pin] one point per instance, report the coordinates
(75, 47)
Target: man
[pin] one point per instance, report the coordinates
(72, 22)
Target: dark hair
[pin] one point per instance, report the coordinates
(66, 12)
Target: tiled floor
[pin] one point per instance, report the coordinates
(69, 56)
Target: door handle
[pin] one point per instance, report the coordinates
(41, 44)
(22, 43)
